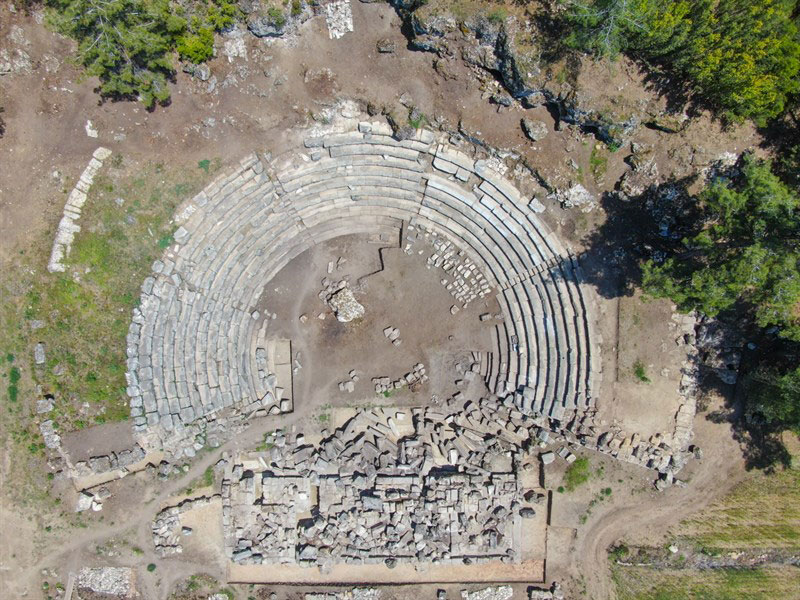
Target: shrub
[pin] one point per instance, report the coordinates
(276, 16)
(197, 47)
(577, 474)
(618, 552)
(640, 372)
(151, 567)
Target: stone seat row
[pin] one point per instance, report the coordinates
(189, 346)
(333, 201)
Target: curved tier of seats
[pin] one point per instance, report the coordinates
(190, 345)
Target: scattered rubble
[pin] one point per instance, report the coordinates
(167, 528)
(413, 379)
(465, 282)
(339, 18)
(118, 582)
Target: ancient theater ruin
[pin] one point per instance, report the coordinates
(405, 330)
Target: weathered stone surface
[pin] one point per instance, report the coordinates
(345, 305)
(38, 354)
(263, 26)
(503, 592)
(575, 197)
(385, 46)
(535, 130)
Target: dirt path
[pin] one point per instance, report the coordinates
(68, 556)
(647, 519)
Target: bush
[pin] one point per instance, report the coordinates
(276, 16)
(197, 47)
(577, 474)
(151, 567)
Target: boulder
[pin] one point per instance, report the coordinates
(535, 130)
(263, 26)
(38, 354)
(385, 46)
(576, 196)
(345, 306)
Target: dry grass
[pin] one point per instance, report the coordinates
(636, 583)
(763, 512)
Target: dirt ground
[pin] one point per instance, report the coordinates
(392, 287)
(260, 102)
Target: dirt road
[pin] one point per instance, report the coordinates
(69, 556)
(647, 519)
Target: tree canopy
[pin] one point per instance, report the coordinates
(123, 42)
(775, 398)
(746, 252)
(739, 57)
(129, 44)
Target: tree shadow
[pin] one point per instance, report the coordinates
(652, 225)
(782, 138)
(649, 225)
(676, 92)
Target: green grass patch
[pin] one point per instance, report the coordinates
(598, 163)
(497, 15)
(640, 371)
(208, 477)
(416, 119)
(639, 583)
(577, 474)
(164, 241)
(86, 311)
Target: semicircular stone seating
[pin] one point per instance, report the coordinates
(192, 360)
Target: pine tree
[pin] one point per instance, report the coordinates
(125, 43)
(747, 252)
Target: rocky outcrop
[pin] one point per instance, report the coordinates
(264, 20)
(511, 50)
